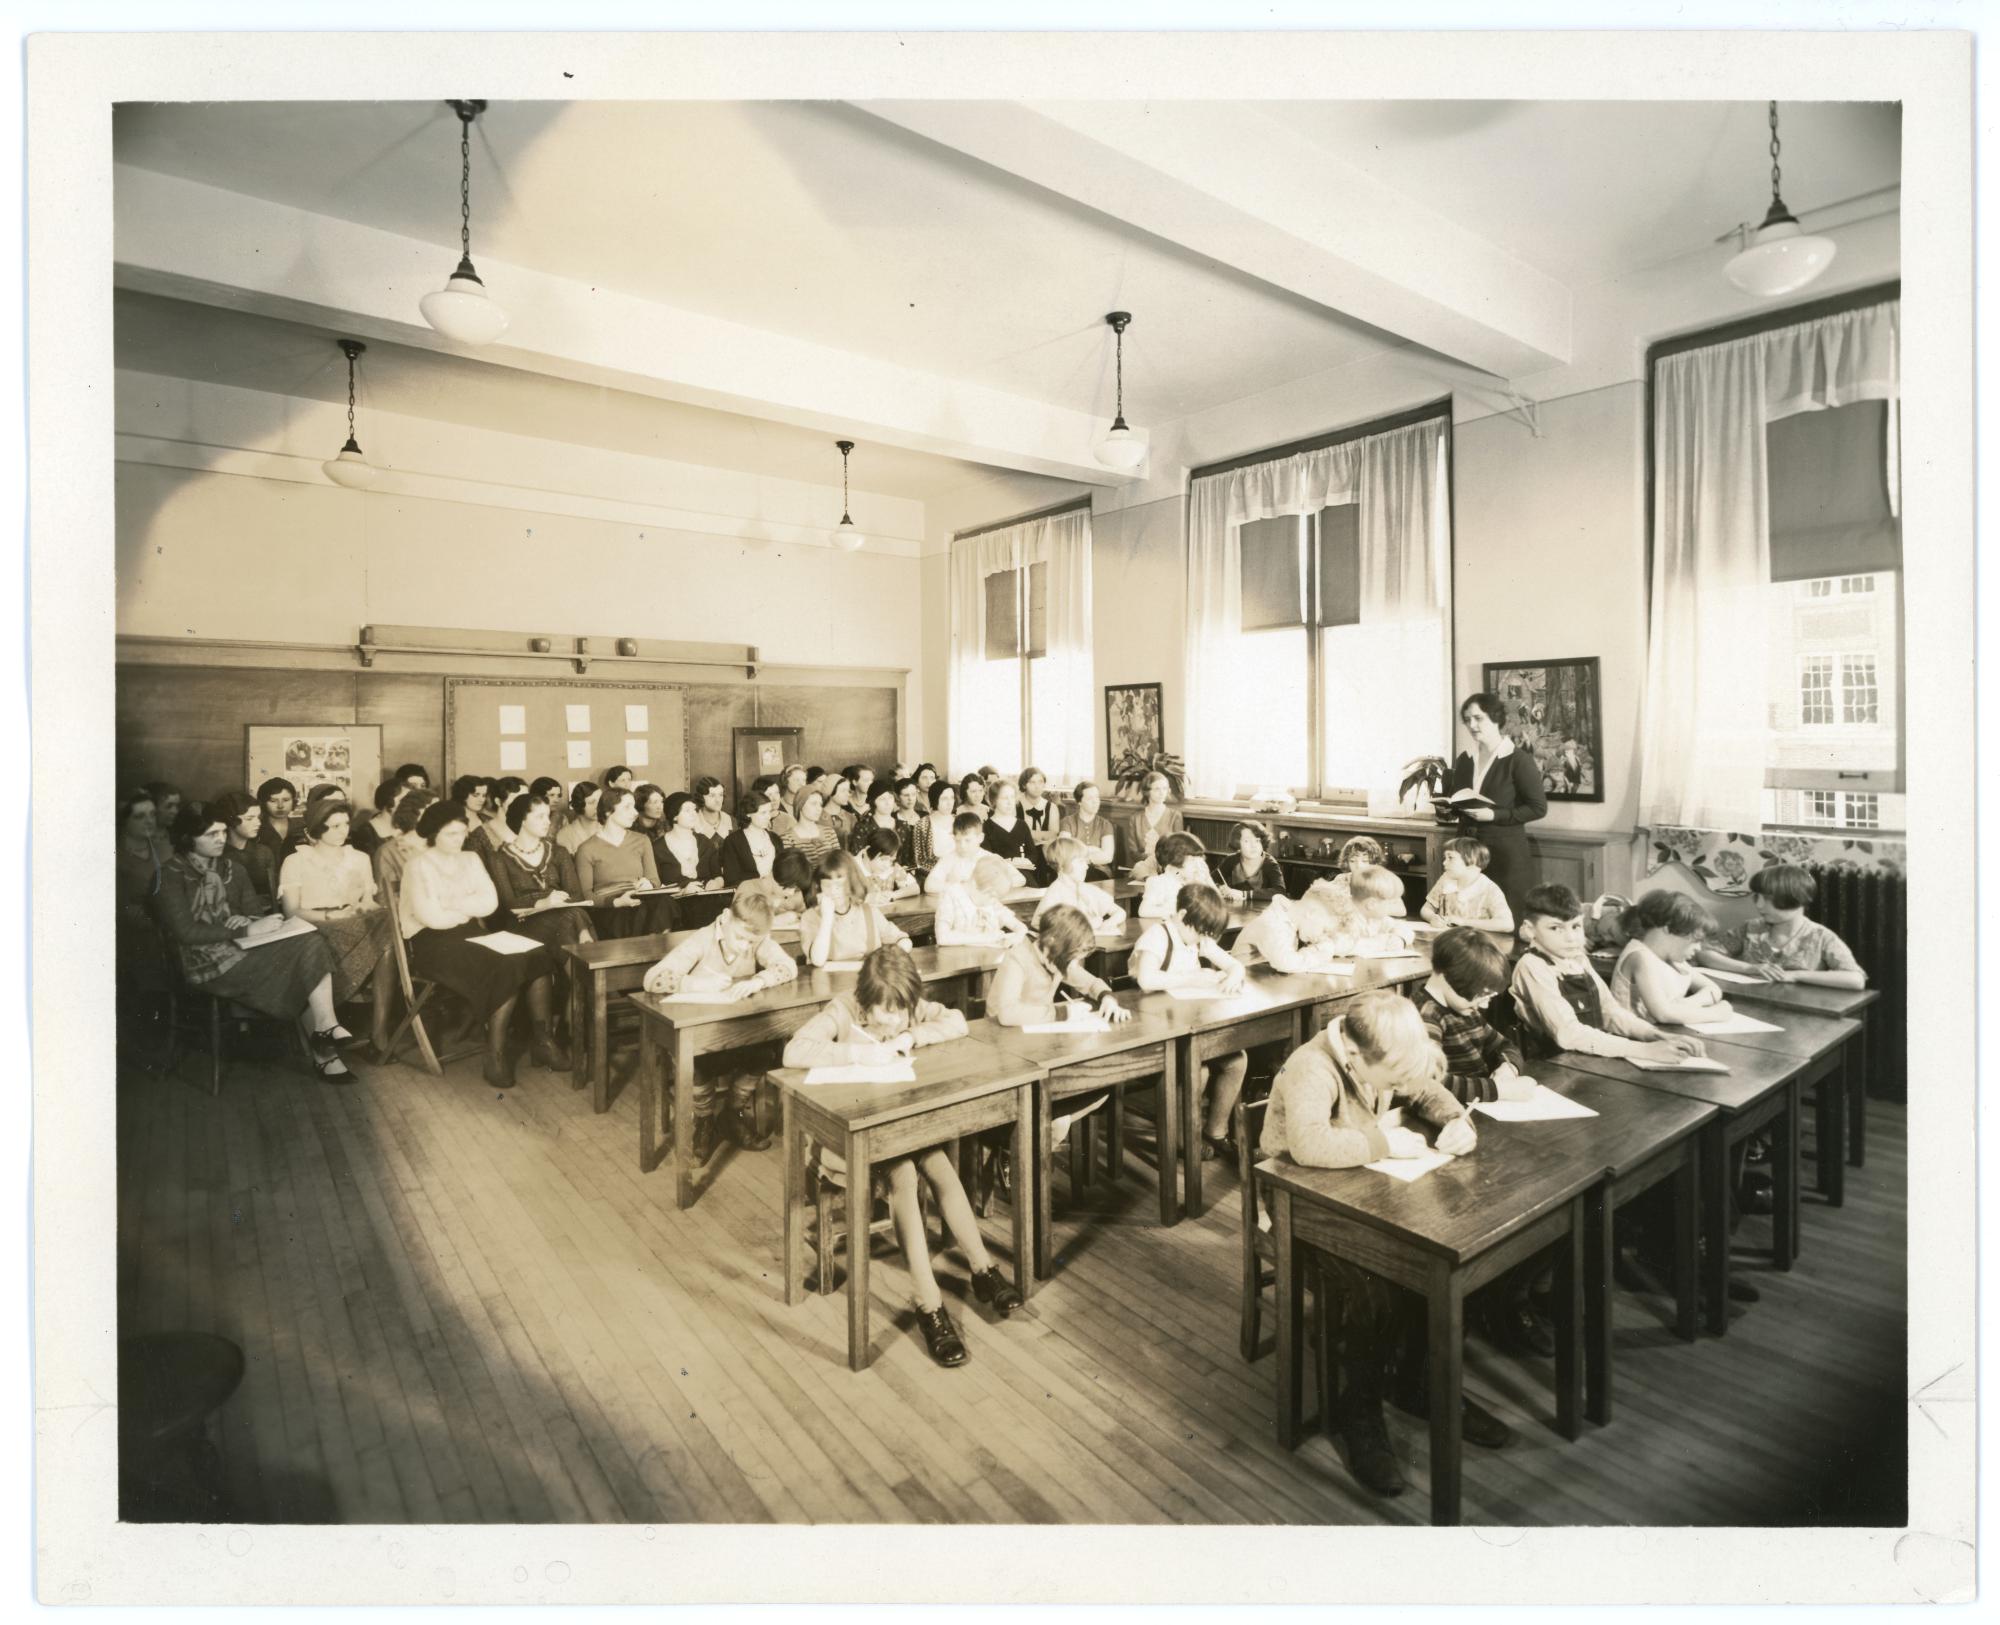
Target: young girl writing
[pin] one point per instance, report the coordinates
(1028, 988)
(1781, 944)
(1183, 951)
(1070, 889)
(845, 923)
(883, 1020)
(977, 914)
(1181, 863)
(1463, 894)
(1652, 978)
(888, 881)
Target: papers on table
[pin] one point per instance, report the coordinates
(545, 905)
(1543, 1106)
(1387, 953)
(1731, 976)
(1734, 1024)
(291, 928)
(506, 942)
(1409, 1168)
(842, 964)
(1687, 1063)
(1092, 1023)
(895, 1072)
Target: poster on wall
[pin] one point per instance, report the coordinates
(1134, 728)
(341, 753)
(1553, 710)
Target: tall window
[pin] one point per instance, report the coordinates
(1836, 752)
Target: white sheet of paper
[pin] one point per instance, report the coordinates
(513, 755)
(1079, 1024)
(1731, 976)
(576, 718)
(1735, 1024)
(896, 1072)
(1409, 1168)
(1687, 1063)
(579, 751)
(291, 928)
(636, 753)
(513, 720)
(635, 720)
(1387, 953)
(506, 942)
(842, 964)
(1543, 1106)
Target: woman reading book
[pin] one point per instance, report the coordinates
(1496, 790)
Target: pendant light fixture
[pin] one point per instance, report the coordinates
(845, 536)
(1120, 447)
(461, 309)
(349, 467)
(1778, 257)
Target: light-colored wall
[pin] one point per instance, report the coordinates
(1139, 609)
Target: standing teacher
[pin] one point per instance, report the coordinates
(1508, 775)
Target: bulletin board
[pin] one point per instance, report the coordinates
(566, 730)
(311, 753)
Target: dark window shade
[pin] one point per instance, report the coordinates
(1270, 574)
(1340, 565)
(1003, 613)
(1829, 494)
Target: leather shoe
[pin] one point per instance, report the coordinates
(941, 1336)
(1519, 1330)
(989, 1286)
(1369, 1456)
(703, 1146)
(1477, 1425)
(745, 1130)
(1755, 1197)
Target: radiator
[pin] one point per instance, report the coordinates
(1870, 912)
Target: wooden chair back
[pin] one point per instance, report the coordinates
(1260, 1249)
(417, 993)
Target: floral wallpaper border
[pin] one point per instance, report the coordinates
(1724, 861)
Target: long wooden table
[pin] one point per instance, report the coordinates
(962, 1088)
(1806, 998)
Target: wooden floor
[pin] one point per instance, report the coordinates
(458, 1305)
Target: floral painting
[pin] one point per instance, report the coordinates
(1553, 711)
(1133, 730)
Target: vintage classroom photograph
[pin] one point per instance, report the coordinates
(888, 802)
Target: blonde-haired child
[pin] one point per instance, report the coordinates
(1463, 894)
(1297, 934)
(1372, 898)
(1181, 863)
(1071, 889)
(1184, 950)
(978, 914)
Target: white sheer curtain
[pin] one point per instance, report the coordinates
(985, 695)
(1707, 713)
(1373, 726)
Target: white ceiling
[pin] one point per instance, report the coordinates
(820, 222)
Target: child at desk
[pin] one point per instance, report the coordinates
(1652, 977)
(846, 923)
(787, 889)
(1560, 1000)
(978, 915)
(1181, 863)
(1028, 988)
(1463, 894)
(729, 959)
(888, 881)
(1364, 905)
(954, 868)
(1327, 1105)
(882, 1021)
(1171, 954)
(1363, 852)
(1781, 944)
(1072, 889)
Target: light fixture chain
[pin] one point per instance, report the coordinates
(1121, 372)
(350, 395)
(1774, 149)
(465, 186)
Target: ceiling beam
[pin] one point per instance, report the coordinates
(190, 241)
(1238, 186)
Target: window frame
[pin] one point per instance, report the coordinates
(1024, 656)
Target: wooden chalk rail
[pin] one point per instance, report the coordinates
(579, 652)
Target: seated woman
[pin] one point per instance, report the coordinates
(711, 824)
(368, 834)
(881, 814)
(223, 932)
(393, 855)
(1040, 813)
(167, 804)
(651, 822)
(1253, 876)
(616, 871)
(472, 792)
(1085, 822)
(914, 825)
(750, 850)
(1156, 819)
(807, 835)
(141, 854)
(527, 878)
(329, 883)
(972, 795)
(549, 792)
(1009, 837)
(939, 834)
(493, 833)
(447, 896)
(245, 821)
(841, 812)
(684, 864)
(581, 823)
(279, 824)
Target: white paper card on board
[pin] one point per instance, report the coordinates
(513, 756)
(513, 720)
(636, 754)
(579, 752)
(576, 718)
(635, 720)
(1409, 1168)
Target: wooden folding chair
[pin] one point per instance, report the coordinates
(417, 994)
(193, 1011)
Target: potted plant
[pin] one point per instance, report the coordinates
(1133, 768)
(1427, 776)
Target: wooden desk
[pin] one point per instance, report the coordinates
(1368, 976)
(1642, 1137)
(1075, 1064)
(598, 970)
(1442, 1237)
(962, 1088)
(1755, 1091)
(1825, 1001)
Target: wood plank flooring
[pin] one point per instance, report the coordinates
(457, 1305)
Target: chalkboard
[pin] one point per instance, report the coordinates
(566, 730)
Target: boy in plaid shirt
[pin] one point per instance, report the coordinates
(1468, 971)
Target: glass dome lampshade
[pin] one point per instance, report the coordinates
(1120, 447)
(463, 310)
(351, 469)
(1780, 258)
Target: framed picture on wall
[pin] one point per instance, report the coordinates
(1134, 727)
(348, 754)
(1555, 711)
(759, 751)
